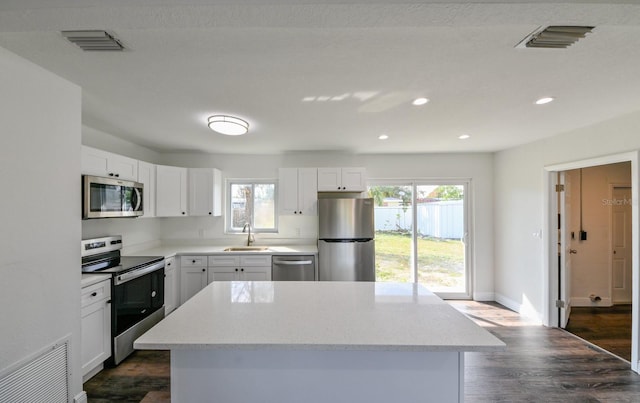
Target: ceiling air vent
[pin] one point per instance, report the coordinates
(93, 40)
(555, 37)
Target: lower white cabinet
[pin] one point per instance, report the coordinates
(239, 268)
(171, 285)
(198, 271)
(193, 276)
(95, 327)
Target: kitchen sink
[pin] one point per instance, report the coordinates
(246, 249)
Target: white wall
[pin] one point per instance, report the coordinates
(39, 210)
(590, 266)
(519, 204)
(477, 167)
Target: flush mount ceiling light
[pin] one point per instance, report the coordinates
(383, 137)
(229, 125)
(544, 100)
(464, 136)
(419, 101)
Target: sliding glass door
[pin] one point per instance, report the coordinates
(422, 235)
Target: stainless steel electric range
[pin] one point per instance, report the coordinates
(137, 290)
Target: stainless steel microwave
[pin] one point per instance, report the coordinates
(108, 197)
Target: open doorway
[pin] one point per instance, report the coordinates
(593, 279)
(598, 221)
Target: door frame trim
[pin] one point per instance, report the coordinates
(550, 239)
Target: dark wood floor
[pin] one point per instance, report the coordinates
(539, 365)
(607, 327)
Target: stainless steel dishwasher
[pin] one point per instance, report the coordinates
(293, 268)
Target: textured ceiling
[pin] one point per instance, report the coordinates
(334, 75)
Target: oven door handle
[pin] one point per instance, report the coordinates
(131, 275)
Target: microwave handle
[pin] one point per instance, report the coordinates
(138, 199)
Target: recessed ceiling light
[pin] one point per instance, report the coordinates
(544, 100)
(229, 125)
(419, 101)
(464, 137)
(383, 137)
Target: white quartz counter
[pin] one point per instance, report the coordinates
(91, 279)
(180, 249)
(317, 316)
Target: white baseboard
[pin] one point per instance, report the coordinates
(80, 397)
(586, 302)
(484, 296)
(524, 311)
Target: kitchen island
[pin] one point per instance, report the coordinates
(317, 342)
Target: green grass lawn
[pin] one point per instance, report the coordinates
(440, 262)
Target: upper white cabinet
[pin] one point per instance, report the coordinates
(147, 176)
(298, 192)
(342, 180)
(102, 163)
(205, 192)
(171, 191)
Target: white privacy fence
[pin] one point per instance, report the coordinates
(442, 219)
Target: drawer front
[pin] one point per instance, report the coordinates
(224, 260)
(193, 261)
(255, 260)
(96, 292)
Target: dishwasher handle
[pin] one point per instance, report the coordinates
(293, 262)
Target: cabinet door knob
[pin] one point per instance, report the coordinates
(241, 269)
(210, 213)
(93, 294)
(193, 261)
(236, 269)
(117, 175)
(204, 269)
(183, 213)
(110, 173)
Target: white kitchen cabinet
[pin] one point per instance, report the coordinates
(95, 327)
(342, 180)
(102, 163)
(298, 191)
(205, 192)
(171, 191)
(193, 276)
(171, 285)
(147, 176)
(239, 268)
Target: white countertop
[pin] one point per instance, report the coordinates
(168, 250)
(91, 279)
(317, 316)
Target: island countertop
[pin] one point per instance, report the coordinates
(317, 316)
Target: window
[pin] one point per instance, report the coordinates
(253, 202)
(421, 235)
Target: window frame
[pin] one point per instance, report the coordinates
(228, 204)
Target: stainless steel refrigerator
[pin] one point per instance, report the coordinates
(346, 246)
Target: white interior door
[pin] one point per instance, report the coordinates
(621, 245)
(564, 249)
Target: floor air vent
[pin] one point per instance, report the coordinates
(93, 40)
(43, 378)
(555, 37)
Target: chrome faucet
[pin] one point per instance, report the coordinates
(250, 238)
